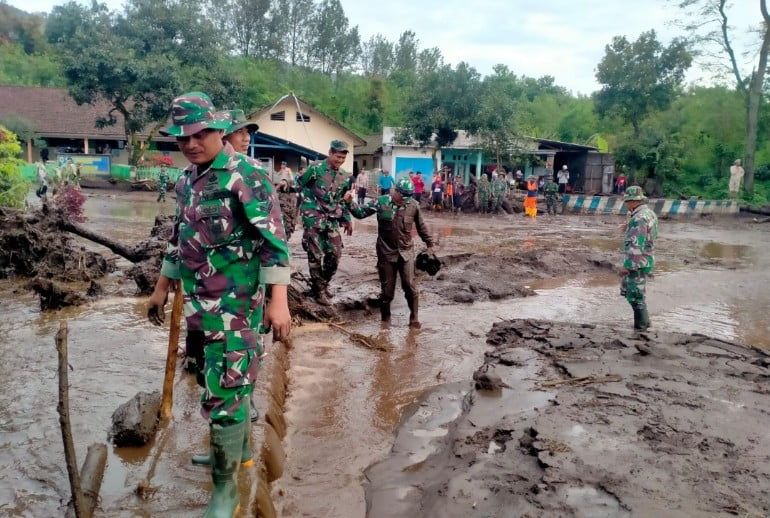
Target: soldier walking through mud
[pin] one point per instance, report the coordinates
(397, 213)
(499, 190)
(324, 185)
(162, 183)
(638, 246)
(551, 192)
(485, 190)
(227, 245)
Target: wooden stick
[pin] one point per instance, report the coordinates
(173, 342)
(64, 422)
(91, 476)
(587, 380)
(359, 338)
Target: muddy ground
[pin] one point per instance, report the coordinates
(585, 420)
(345, 403)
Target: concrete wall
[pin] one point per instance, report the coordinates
(391, 153)
(614, 205)
(315, 135)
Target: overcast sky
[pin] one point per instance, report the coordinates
(562, 38)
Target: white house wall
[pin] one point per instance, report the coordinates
(390, 154)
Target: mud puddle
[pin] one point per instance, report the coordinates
(327, 446)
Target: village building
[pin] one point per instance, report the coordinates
(290, 129)
(589, 169)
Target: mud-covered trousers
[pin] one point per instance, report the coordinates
(226, 364)
(388, 270)
(634, 288)
(324, 249)
(550, 204)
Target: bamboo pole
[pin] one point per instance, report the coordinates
(173, 343)
(64, 421)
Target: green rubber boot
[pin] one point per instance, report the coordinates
(204, 459)
(226, 449)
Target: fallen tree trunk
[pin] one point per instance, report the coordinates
(130, 253)
(763, 211)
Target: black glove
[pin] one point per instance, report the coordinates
(156, 314)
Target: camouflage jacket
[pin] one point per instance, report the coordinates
(551, 190)
(228, 242)
(162, 178)
(639, 243)
(394, 226)
(485, 188)
(322, 191)
(499, 186)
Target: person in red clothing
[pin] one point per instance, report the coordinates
(419, 186)
(620, 184)
(437, 193)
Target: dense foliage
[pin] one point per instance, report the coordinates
(13, 186)
(681, 138)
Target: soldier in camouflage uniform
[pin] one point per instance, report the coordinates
(485, 189)
(397, 214)
(162, 183)
(638, 245)
(240, 131)
(227, 245)
(323, 186)
(499, 189)
(551, 192)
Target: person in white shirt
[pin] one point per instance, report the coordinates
(563, 179)
(362, 183)
(736, 174)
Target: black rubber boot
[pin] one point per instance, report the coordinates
(644, 318)
(226, 450)
(385, 311)
(319, 292)
(637, 317)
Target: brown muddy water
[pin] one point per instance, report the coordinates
(344, 401)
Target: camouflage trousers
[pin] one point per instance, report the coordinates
(483, 203)
(324, 249)
(226, 364)
(550, 203)
(162, 192)
(498, 202)
(634, 287)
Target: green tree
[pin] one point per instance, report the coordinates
(377, 56)
(333, 45)
(138, 60)
(497, 116)
(640, 77)
(441, 103)
(24, 29)
(710, 23)
(13, 186)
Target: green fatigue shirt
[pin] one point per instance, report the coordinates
(551, 190)
(499, 187)
(639, 242)
(228, 241)
(485, 188)
(322, 192)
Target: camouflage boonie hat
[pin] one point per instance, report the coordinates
(405, 186)
(193, 112)
(238, 120)
(339, 146)
(634, 193)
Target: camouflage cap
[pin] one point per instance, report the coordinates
(340, 146)
(238, 120)
(193, 112)
(404, 185)
(634, 193)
